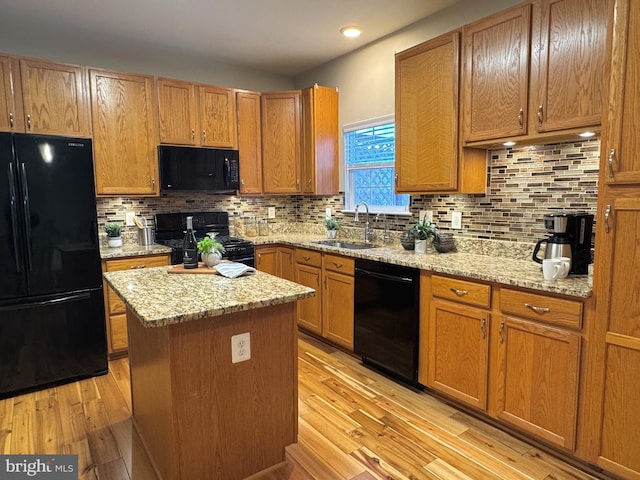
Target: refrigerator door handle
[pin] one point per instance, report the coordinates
(27, 213)
(74, 297)
(14, 216)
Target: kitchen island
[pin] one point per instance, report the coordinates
(200, 411)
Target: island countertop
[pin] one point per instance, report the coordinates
(159, 298)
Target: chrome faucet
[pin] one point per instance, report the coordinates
(385, 235)
(367, 230)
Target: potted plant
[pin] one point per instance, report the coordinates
(332, 225)
(423, 230)
(210, 250)
(113, 234)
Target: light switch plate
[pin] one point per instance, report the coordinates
(327, 212)
(426, 215)
(456, 220)
(271, 212)
(128, 218)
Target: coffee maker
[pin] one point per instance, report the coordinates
(570, 236)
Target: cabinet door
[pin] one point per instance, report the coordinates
(538, 371)
(571, 64)
(427, 78)
(337, 308)
(249, 142)
(309, 310)
(177, 112)
(621, 134)
(320, 141)
(218, 117)
(496, 75)
(55, 98)
(11, 115)
(287, 263)
(616, 356)
(457, 354)
(125, 140)
(281, 142)
(267, 259)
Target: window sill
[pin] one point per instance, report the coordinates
(381, 212)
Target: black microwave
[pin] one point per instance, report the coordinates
(198, 169)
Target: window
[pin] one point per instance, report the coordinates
(369, 157)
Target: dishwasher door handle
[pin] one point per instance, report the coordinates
(383, 276)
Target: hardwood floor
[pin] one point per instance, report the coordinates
(353, 424)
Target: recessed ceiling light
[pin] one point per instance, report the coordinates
(351, 32)
(509, 144)
(587, 134)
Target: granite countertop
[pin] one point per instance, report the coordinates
(479, 266)
(159, 298)
(130, 249)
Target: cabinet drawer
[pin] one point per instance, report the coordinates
(308, 257)
(461, 291)
(137, 262)
(554, 310)
(337, 263)
(119, 337)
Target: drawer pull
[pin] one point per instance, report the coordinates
(483, 328)
(306, 258)
(537, 309)
(136, 266)
(338, 265)
(460, 293)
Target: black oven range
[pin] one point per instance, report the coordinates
(171, 227)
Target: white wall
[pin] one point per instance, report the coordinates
(365, 77)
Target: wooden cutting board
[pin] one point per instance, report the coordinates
(202, 269)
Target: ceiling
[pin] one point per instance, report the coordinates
(284, 37)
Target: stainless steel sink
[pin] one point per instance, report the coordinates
(348, 245)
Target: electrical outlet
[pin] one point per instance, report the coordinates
(240, 347)
(271, 212)
(456, 220)
(128, 218)
(426, 215)
(327, 212)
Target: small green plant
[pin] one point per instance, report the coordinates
(424, 230)
(113, 229)
(331, 223)
(208, 244)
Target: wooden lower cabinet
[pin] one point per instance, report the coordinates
(287, 263)
(330, 312)
(537, 379)
(115, 310)
(276, 260)
(458, 352)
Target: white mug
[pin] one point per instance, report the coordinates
(565, 263)
(551, 268)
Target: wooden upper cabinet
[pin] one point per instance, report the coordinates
(621, 137)
(11, 115)
(496, 75)
(427, 78)
(281, 142)
(249, 142)
(177, 112)
(55, 98)
(217, 117)
(571, 61)
(320, 140)
(124, 133)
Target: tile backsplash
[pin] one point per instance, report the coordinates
(524, 184)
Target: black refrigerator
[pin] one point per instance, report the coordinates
(52, 325)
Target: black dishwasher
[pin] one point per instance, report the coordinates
(387, 318)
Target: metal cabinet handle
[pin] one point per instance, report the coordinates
(521, 117)
(540, 115)
(338, 265)
(242, 182)
(537, 309)
(204, 137)
(11, 119)
(483, 328)
(607, 213)
(29, 122)
(460, 293)
(306, 258)
(153, 183)
(612, 156)
(396, 179)
(297, 183)
(135, 267)
(502, 332)
(193, 135)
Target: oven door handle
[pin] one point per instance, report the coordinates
(383, 276)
